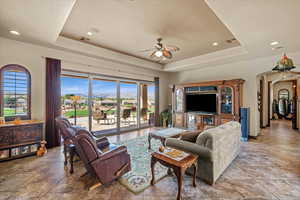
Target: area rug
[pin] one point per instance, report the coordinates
(139, 178)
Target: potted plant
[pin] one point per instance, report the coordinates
(165, 118)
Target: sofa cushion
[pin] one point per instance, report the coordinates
(207, 137)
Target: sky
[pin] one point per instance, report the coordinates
(79, 86)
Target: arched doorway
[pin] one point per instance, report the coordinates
(278, 98)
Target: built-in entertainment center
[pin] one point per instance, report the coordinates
(196, 105)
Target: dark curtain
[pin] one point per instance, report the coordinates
(156, 114)
(53, 70)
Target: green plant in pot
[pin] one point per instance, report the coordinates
(165, 118)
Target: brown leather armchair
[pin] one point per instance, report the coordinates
(67, 132)
(106, 166)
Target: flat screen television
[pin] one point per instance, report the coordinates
(201, 103)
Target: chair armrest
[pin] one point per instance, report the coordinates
(101, 142)
(189, 147)
(112, 153)
(190, 136)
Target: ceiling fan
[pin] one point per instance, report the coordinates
(161, 51)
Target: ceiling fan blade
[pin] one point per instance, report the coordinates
(146, 50)
(153, 54)
(172, 48)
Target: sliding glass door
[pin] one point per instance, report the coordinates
(128, 105)
(74, 100)
(107, 105)
(104, 105)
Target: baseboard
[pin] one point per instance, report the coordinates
(253, 137)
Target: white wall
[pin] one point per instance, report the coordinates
(247, 70)
(33, 58)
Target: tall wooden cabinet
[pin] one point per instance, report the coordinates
(229, 100)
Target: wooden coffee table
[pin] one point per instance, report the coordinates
(179, 167)
(164, 133)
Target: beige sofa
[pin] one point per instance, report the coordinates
(217, 148)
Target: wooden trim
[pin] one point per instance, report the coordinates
(74, 76)
(95, 186)
(261, 112)
(21, 68)
(295, 100)
(269, 103)
(214, 83)
(292, 80)
(120, 78)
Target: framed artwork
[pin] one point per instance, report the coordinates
(34, 147)
(4, 154)
(15, 151)
(25, 149)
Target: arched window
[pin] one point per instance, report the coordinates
(15, 92)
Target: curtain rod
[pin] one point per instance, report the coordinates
(93, 66)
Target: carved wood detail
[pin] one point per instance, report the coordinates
(236, 86)
(5, 137)
(14, 136)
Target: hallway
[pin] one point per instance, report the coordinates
(280, 133)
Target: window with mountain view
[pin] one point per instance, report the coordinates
(106, 104)
(74, 100)
(128, 97)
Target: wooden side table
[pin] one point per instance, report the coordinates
(179, 167)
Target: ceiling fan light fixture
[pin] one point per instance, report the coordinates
(158, 53)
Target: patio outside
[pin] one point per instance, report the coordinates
(74, 105)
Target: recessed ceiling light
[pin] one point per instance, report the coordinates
(215, 44)
(274, 43)
(14, 32)
(89, 33)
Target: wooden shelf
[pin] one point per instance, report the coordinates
(18, 156)
(19, 145)
(23, 123)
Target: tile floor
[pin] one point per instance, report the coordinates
(268, 168)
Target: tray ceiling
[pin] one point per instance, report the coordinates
(130, 26)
